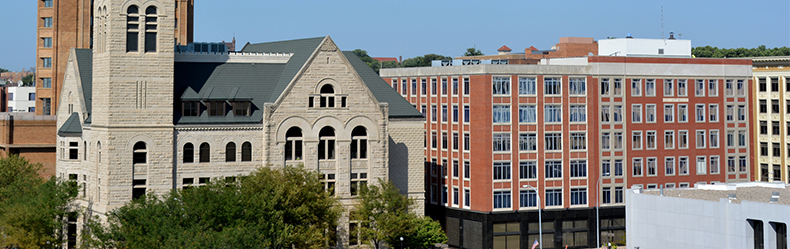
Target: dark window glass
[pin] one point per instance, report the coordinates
(189, 153)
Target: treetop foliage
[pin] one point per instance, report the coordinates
(472, 52)
(715, 52)
(419, 61)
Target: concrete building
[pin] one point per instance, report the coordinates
(135, 116)
(741, 215)
(565, 127)
(66, 24)
(21, 99)
(771, 104)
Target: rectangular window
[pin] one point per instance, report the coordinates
(741, 113)
(48, 3)
(502, 199)
(650, 113)
(444, 141)
(669, 113)
(669, 166)
(682, 89)
(554, 197)
(501, 114)
(650, 87)
(579, 196)
(637, 166)
(683, 113)
(528, 142)
(714, 139)
(467, 114)
(702, 165)
(683, 139)
(434, 140)
(763, 127)
(701, 139)
(433, 113)
(636, 140)
(605, 113)
(713, 113)
(444, 86)
(404, 87)
(501, 170)
(424, 110)
(618, 87)
(466, 86)
(467, 198)
(455, 113)
(605, 140)
(578, 113)
(433, 87)
(606, 168)
(774, 84)
(775, 106)
(455, 86)
(683, 165)
(528, 198)
(553, 86)
(467, 170)
(528, 170)
(699, 89)
(742, 164)
(46, 42)
(553, 141)
(150, 41)
(714, 164)
(577, 86)
(669, 90)
(713, 88)
(606, 195)
(553, 169)
(395, 84)
(774, 124)
(636, 113)
(74, 151)
(526, 86)
(650, 139)
(47, 106)
(618, 140)
(730, 112)
(618, 167)
(636, 87)
(241, 108)
(618, 194)
(444, 113)
(763, 106)
(731, 164)
(669, 139)
(729, 90)
(527, 114)
(501, 141)
(730, 138)
(741, 88)
(455, 140)
(501, 86)
(47, 22)
(578, 141)
(741, 138)
(553, 113)
(216, 108)
(467, 142)
(455, 196)
(617, 113)
(604, 87)
(700, 111)
(46, 82)
(776, 149)
(46, 62)
(652, 166)
(578, 168)
(424, 87)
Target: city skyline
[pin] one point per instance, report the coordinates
(392, 29)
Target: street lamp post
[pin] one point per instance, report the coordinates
(597, 216)
(540, 219)
(401, 242)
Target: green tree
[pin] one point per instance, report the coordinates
(33, 211)
(423, 61)
(472, 52)
(3, 70)
(372, 63)
(383, 217)
(271, 208)
(715, 52)
(29, 79)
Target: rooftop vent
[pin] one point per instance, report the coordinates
(774, 197)
(671, 35)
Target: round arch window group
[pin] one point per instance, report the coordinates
(327, 147)
(204, 152)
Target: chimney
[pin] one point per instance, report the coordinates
(671, 35)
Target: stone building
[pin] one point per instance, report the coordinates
(137, 117)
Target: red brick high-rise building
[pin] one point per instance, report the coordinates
(496, 133)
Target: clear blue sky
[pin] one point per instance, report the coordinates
(411, 28)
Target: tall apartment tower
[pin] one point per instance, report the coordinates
(66, 24)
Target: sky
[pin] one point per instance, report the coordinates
(411, 28)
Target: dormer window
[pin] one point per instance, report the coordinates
(191, 108)
(216, 108)
(241, 108)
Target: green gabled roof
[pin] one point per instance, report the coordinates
(302, 49)
(84, 59)
(190, 94)
(398, 106)
(72, 125)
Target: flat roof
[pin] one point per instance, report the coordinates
(750, 191)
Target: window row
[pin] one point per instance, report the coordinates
(204, 153)
(216, 108)
(422, 87)
(676, 87)
(553, 198)
(294, 140)
(467, 143)
(529, 141)
(647, 139)
(669, 113)
(527, 86)
(763, 84)
(649, 166)
(327, 98)
(434, 167)
(529, 113)
(434, 113)
(775, 128)
(774, 103)
(141, 27)
(529, 169)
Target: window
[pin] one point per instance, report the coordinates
(553, 113)
(527, 114)
(433, 86)
(775, 106)
(433, 140)
(47, 103)
(553, 197)
(528, 198)
(764, 127)
(467, 198)
(455, 192)
(205, 153)
(528, 142)
(618, 194)
(578, 113)
(326, 143)
(604, 87)
(191, 108)
(637, 166)
(501, 113)
(763, 106)
(553, 141)
(606, 195)
(455, 113)
(669, 88)
(650, 139)
(46, 42)
(467, 170)
(714, 164)
(329, 182)
(669, 113)
(424, 110)
(48, 3)
(501, 141)
(605, 140)
(132, 28)
(246, 152)
(577, 86)
(701, 139)
(444, 86)
(618, 167)
(528, 170)
(553, 86)
(730, 138)
(618, 87)
(150, 29)
(775, 130)
(526, 86)
(683, 165)
(636, 87)
(713, 111)
(669, 165)
(578, 168)
(502, 199)
(46, 62)
(47, 22)
(455, 140)
(46, 82)
(682, 89)
(699, 89)
(702, 165)
(618, 140)
(455, 170)
(741, 88)
(467, 142)
(578, 141)
(605, 113)
(669, 139)
(650, 87)
(433, 113)
(327, 98)
(742, 138)
(776, 149)
(682, 113)
(636, 140)
(501, 86)
(700, 111)
(414, 87)
(606, 168)
(650, 113)
(651, 166)
(553, 169)
(636, 113)
(444, 113)
(714, 139)
(241, 108)
(359, 143)
(359, 180)
(579, 196)
(31, 96)
(741, 113)
(293, 144)
(404, 87)
(467, 114)
(216, 108)
(423, 87)
(774, 84)
(728, 88)
(230, 152)
(742, 164)
(618, 113)
(713, 88)
(74, 151)
(444, 140)
(466, 89)
(501, 170)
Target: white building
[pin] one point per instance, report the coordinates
(21, 99)
(644, 47)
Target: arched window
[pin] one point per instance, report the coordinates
(327, 96)
(359, 143)
(189, 153)
(230, 152)
(132, 28)
(150, 29)
(293, 144)
(140, 153)
(326, 143)
(205, 153)
(98, 151)
(246, 152)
